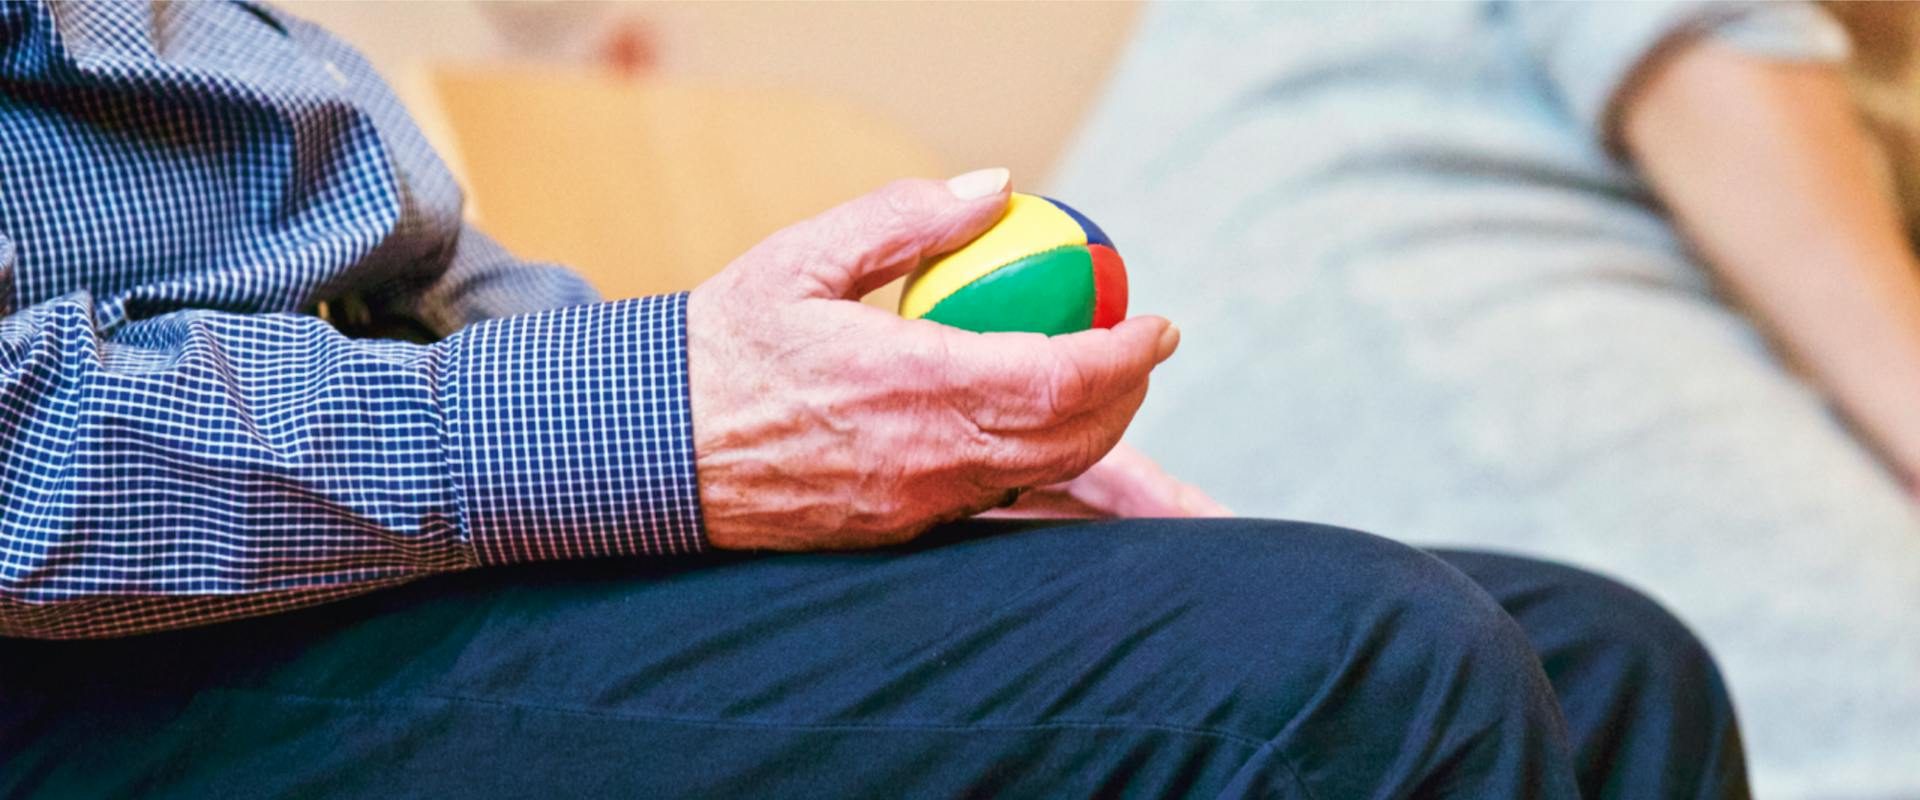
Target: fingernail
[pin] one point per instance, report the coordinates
(1169, 342)
(979, 183)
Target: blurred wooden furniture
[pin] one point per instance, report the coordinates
(648, 186)
(983, 84)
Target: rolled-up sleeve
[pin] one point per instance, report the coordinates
(1588, 52)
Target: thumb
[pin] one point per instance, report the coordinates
(860, 245)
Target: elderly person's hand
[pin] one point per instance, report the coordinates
(822, 423)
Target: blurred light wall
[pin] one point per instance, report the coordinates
(981, 83)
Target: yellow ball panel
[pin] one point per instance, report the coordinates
(1030, 225)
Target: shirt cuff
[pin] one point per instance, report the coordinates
(571, 433)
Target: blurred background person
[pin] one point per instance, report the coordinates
(1584, 281)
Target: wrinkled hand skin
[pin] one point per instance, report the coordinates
(822, 423)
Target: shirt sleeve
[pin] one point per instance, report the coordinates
(484, 281)
(203, 465)
(1588, 52)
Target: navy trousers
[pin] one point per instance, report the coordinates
(1142, 658)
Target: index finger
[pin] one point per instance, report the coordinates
(1014, 381)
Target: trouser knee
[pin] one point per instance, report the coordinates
(1381, 623)
(1359, 657)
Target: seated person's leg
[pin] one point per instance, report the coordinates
(1647, 710)
(1230, 658)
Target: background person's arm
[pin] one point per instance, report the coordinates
(1768, 170)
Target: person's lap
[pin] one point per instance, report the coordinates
(1233, 657)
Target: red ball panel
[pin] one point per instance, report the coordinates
(1109, 286)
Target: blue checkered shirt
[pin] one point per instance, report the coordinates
(184, 439)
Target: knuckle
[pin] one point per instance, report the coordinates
(888, 206)
(951, 387)
(927, 361)
(1026, 464)
(900, 193)
(981, 447)
(1068, 388)
(907, 204)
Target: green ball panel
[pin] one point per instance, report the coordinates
(1049, 292)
